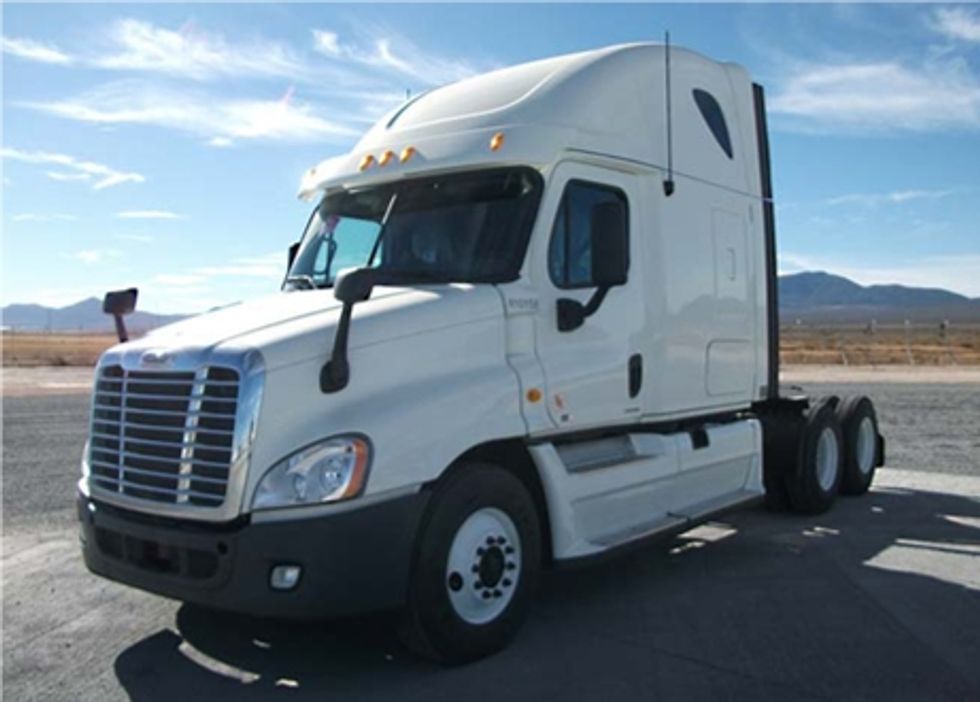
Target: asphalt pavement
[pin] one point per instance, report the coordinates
(880, 598)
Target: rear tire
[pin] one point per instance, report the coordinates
(859, 425)
(476, 564)
(815, 480)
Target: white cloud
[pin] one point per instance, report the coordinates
(93, 256)
(949, 272)
(34, 51)
(68, 177)
(346, 83)
(881, 97)
(104, 176)
(148, 214)
(130, 102)
(194, 53)
(957, 23)
(271, 265)
(897, 197)
(43, 217)
(390, 53)
(326, 42)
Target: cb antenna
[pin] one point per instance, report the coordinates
(669, 182)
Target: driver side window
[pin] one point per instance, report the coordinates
(570, 250)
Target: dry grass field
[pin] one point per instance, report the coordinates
(54, 349)
(800, 344)
(920, 345)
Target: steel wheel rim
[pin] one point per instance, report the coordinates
(827, 459)
(484, 566)
(865, 445)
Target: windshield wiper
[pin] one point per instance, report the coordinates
(302, 278)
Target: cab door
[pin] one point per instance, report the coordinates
(593, 366)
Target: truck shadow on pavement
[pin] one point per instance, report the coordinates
(880, 597)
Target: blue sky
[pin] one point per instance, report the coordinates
(162, 145)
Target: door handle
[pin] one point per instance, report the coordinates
(635, 374)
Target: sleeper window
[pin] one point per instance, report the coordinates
(570, 250)
(714, 118)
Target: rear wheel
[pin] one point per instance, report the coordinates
(859, 426)
(816, 478)
(476, 564)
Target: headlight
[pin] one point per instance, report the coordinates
(328, 471)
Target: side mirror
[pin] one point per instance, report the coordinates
(610, 263)
(119, 303)
(350, 287)
(291, 255)
(610, 245)
(354, 285)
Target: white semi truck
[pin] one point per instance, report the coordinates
(532, 320)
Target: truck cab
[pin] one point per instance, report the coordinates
(530, 321)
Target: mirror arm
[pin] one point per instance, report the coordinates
(335, 373)
(595, 301)
(572, 313)
(121, 331)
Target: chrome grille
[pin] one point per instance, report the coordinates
(165, 436)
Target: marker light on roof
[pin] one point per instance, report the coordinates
(407, 153)
(496, 141)
(366, 162)
(387, 157)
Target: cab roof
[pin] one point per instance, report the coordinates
(609, 101)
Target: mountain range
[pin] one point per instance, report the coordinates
(813, 297)
(820, 297)
(84, 316)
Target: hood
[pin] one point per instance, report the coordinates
(290, 327)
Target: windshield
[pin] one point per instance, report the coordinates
(470, 227)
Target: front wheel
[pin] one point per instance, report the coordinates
(476, 564)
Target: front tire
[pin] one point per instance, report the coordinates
(476, 564)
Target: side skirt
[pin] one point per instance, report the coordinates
(669, 530)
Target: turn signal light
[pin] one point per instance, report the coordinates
(407, 153)
(386, 157)
(366, 162)
(496, 141)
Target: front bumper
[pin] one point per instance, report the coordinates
(353, 561)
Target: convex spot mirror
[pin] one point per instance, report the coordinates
(354, 285)
(120, 302)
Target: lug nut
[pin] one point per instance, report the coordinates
(507, 582)
(486, 594)
(455, 582)
(491, 541)
(509, 550)
(497, 593)
(511, 565)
